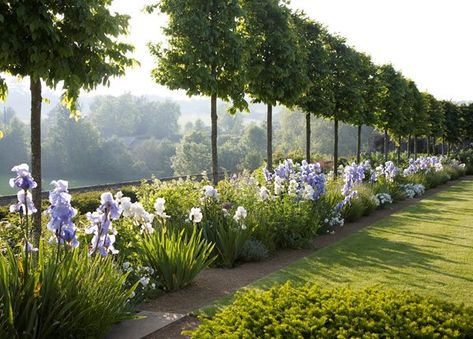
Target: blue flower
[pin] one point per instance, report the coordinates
(23, 179)
(30, 248)
(109, 205)
(61, 213)
(103, 245)
(102, 241)
(267, 175)
(353, 174)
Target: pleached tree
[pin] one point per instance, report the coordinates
(436, 122)
(452, 133)
(205, 54)
(391, 113)
(345, 89)
(276, 68)
(58, 43)
(370, 91)
(317, 100)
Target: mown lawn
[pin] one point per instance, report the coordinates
(426, 248)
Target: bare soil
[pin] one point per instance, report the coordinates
(216, 283)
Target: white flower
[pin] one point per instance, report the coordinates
(126, 265)
(137, 210)
(264, 193)
(144, 281)
(118, 196)
(147, 228)
(225, 212)
(159, 208)
(125, 203)
(293, 185)
(159, 205)
(195, 215)
(278, 185)
(308, 193)
(240, 213)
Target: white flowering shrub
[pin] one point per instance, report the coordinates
(333, 221)
(383, 199)
(144, 278)
(413, 190)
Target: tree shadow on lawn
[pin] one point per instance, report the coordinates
(426, 213)
(441, 239)
(367, 260)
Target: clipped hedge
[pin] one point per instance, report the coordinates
(4, 211)
(314, 312)
(89, 201)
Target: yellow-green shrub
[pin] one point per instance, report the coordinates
(314, 312)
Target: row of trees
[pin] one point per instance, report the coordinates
(229, 49)
(221, 49)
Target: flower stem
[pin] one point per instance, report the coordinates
(25, 203)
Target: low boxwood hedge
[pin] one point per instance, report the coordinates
(314, 312)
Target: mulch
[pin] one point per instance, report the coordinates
(215, 283)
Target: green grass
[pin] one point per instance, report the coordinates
(426, 248)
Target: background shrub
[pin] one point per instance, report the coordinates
(180, 195)
(86, 201)
(314, 312)
(3, 212)
(254, 250)
(392, 188)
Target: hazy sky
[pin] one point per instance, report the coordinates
(430, 41)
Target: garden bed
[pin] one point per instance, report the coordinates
(214, 284)
(161, 236)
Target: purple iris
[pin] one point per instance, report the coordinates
(353, 174)
(23, 179)
(285, 170)
(108, 204)
(101, 224)
(346, 200)
(61, 213)
(267, 175)
(312, 174)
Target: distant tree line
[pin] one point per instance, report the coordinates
(231, 49)
(147, 141)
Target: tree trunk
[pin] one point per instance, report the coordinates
(448, 149)
(358, 147)
(399, 151)
(427, 142)
(335, 149)
(443, 146)
(269, 138)
(385, 145)
(214, 118)
(433, 145)
(36, 100)
(307, 137)
(415, 147)
(408, 146)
